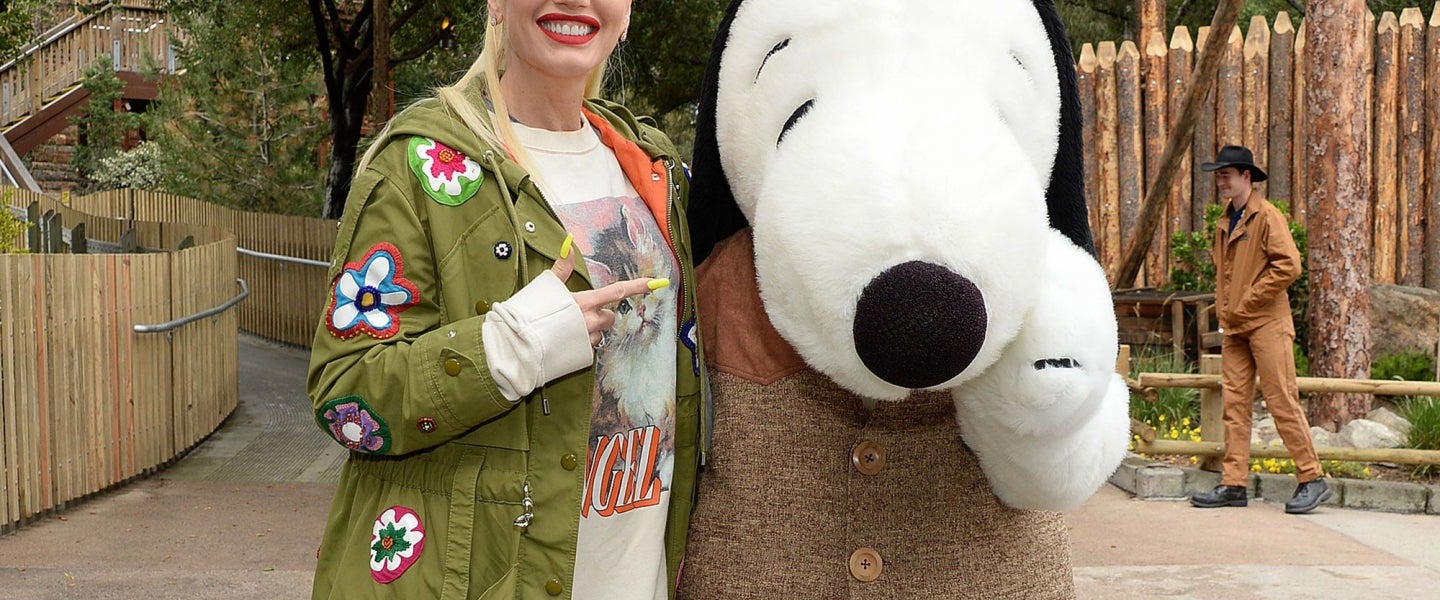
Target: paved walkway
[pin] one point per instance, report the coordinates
(240, 517)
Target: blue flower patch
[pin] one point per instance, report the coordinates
(369, 295)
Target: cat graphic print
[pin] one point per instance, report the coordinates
(633, 415)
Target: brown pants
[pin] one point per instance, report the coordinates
(1269, 352)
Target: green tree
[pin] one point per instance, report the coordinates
(102, 128)
(658, 69)
(240, 127)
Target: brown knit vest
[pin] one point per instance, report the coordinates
(784, 505)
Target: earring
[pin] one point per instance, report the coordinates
(624, 34)
(494, 20)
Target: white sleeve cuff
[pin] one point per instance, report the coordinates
(535, 336)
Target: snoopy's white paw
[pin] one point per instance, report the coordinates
(1060, 365)
(1049, 421)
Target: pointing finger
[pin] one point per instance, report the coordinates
(566, 264)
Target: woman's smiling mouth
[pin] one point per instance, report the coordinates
(569, 29)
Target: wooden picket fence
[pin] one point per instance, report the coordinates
(286, 298)
(86, 402)
(1130, 94)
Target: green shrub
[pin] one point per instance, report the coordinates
(1424, 415)
(1174, 407)
(12, 229)
(1409, 366)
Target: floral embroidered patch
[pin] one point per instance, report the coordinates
(691, 339)
(395, 543)
(449, 176)
(355, 425)
(369, 295)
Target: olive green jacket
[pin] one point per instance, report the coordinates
(451, 490)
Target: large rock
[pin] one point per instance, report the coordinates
(1364, 433)
(1322, 438)
(1388, 418)
(1403, 319)
(1263, 432)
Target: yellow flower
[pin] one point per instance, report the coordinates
(1254, 468)
(1162, 418)
(1185, 421)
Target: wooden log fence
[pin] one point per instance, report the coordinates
(1211, 448)
(87, 402)
(1126, 91)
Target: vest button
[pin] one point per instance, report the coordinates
(481, 307)
(569, 462)
(868, 458)
(866, 565)
(452, 367)
(553, 587)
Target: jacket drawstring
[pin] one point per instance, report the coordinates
(514, 216)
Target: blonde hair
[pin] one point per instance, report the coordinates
(494, 128)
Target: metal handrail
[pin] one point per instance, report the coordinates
(281, 258)
(177, 323)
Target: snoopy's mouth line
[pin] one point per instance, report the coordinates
(1057, 363)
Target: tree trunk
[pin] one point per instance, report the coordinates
(347, 118)
(382, 97)
(1337, 159)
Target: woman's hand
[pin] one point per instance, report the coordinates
(593, 303)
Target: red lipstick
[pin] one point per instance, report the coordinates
(580, 22)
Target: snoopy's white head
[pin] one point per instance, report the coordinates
(895, 162)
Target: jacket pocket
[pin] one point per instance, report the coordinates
(495, 540)
(479, 268)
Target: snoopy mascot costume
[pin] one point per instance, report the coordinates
(910, 343)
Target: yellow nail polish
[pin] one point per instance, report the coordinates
(565, 246)
(657, 284)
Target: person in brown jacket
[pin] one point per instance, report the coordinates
(1255, 262)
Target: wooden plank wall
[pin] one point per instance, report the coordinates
(87, 403)
(1128, 92)
(286, 298)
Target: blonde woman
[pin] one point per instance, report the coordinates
(509, 350)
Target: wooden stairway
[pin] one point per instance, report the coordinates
(40, 89)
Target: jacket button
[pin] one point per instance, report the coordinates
(426, 425)
(481, 307)
(452, 367)
(866, 565)
(530, 227)
(569, 462)
(868, 458)
(553, 587)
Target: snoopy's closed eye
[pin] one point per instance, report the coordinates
(1056, 363)
(795, 118)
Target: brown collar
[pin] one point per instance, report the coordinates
(738, 336)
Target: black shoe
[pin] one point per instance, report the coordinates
(1308, 496)
(1222, 495)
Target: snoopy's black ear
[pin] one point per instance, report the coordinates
(1066, 197)
(713, 213)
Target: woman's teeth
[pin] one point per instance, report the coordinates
(569, 28)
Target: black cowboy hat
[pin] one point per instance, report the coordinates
(1238, 157)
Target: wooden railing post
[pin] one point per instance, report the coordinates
(1212, 411)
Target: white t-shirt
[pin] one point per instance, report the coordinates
(621, 547)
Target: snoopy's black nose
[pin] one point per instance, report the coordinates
(919, 324)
